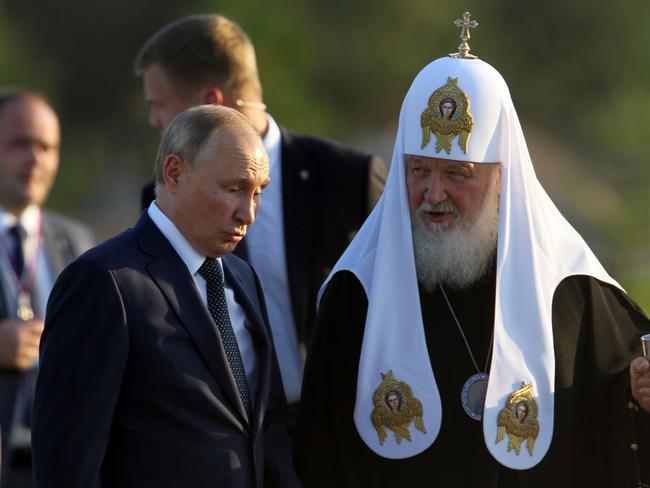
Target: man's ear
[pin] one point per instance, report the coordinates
(173, 168)
(213, 96)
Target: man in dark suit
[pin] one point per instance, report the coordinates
(155, 370)
(35, 245)
(321, 191)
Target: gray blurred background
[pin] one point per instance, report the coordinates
(578, 71)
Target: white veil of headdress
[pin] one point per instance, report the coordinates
(537, 248)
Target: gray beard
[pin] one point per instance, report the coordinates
(461, 256)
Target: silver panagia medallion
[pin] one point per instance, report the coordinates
(473, 395)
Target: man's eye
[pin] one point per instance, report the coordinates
(458, 174)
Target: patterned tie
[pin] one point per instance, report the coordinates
(17, 235)
(211, 271)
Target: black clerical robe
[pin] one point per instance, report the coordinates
(596, 331)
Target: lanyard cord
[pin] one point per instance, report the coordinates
(25, 283)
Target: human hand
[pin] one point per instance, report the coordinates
(19, 341)
(640, 382)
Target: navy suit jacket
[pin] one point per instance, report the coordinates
(134, 388)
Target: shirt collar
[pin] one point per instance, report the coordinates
(271, 141)
(192, 259)
(29, 219)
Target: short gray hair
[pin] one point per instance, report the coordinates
(192, 132)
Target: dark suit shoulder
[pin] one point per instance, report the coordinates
(116, 252)
(327, 151)
(353, 177)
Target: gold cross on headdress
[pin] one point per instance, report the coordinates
(466, 24)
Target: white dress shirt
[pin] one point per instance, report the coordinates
(34, 257)
(193, 260)
(266, 251)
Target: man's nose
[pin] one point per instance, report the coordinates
(246, 211)
(436, 190)
(32, 155)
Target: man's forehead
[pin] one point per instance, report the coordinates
(261, 155)
(241, 142)
(445, 163)
(29, 117)
(416, 158)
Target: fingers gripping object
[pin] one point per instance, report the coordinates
(645, 343)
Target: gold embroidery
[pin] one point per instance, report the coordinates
(395, 408)
(519, 420)
(447, 116)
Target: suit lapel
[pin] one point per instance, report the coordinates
(57, 246)
(299, 198)
(260, 336)
(174, 280)
(242, 295)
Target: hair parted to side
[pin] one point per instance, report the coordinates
(193, 131)
(12, 94)
(204, 48)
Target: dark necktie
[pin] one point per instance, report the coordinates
(211, 271)
(17, 234)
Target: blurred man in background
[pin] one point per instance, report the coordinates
(35, 246)
(321, 191)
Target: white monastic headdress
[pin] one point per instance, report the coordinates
(537, 249)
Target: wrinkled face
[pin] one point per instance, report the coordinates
(164, 98)
(216, 201)
(29, 153)
(444, 192)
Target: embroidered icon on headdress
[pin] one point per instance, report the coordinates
(519, 420)
(395, 408)
(447, 116)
